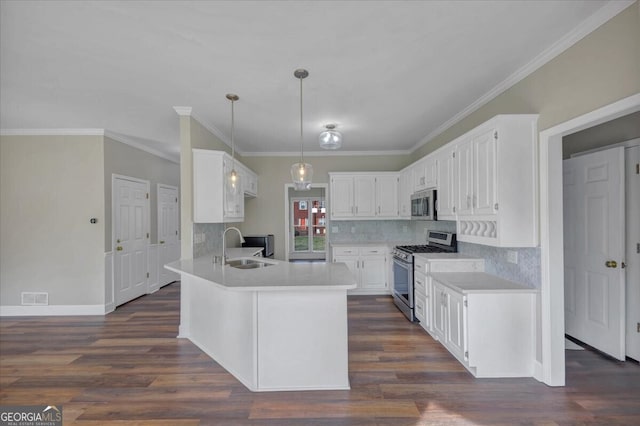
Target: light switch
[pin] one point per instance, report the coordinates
(512, 256)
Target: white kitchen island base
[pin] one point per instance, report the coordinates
(284, 339)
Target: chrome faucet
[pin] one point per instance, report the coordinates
(224, 243)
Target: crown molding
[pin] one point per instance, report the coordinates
(188, 111)
(325, 153)
(183, 110)
(90, 132)
(597, 19)
(52, 132)
(134, 144)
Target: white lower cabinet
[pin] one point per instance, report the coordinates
(486, 322)
(369, 266)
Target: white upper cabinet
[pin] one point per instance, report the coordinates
(431, 172)
(477, 175)
(405, 189)
(387, 195)
(363, 195)
(214, 201)
(341, 197)
(498, 182)
(447, 183)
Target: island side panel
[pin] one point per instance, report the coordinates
(222, 324)
(302, 340)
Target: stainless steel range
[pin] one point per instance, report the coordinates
(403, 297)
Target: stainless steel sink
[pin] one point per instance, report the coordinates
(248, 264)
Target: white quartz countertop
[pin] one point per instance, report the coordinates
(445, 256)
(478, 282)
(282, 276)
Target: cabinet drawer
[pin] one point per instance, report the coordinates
(420, 307)
(420, 264)
(372, 250)
(346, 251)
(420, 283)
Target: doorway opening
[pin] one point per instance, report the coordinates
(306, 224)
(551, 337)
(609, 321)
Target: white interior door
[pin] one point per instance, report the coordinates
(594, 238)
(632, 259)
(131, 235)
(168, 247)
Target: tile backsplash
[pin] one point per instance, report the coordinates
(207, 238)
(526, 271)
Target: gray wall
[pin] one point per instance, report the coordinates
(126, 160)
(614, 131)
(50, 187)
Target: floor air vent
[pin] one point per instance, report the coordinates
(31, 298)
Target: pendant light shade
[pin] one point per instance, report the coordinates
(330, 138)
(301, 173)
(233, 178)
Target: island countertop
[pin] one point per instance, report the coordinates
(281, 276)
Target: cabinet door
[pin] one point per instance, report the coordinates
(455, 336)
(364, 195)
(233, 198)
(387, 196)
(341, 197)
(373, 272)
(447, 184)
(484, 173)
(464, 154)
(431, 172)
(405, 189)
(419, 176)
(352, 263)
(439, 312)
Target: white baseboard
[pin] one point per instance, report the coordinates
(537, 371)
(52, 310)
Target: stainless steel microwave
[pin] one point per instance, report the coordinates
(423, 205)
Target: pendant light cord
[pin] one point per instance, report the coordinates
(233, 144)
(301, 139)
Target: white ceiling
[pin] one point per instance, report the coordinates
(390, 74)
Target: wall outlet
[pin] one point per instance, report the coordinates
(512, 256)
(335, 229)
(198, 238)
(353, 229)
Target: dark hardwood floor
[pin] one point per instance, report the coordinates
(129, 368)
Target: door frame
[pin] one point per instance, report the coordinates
(115, 177)
(177, 189)
(287, 221)
(552, 362)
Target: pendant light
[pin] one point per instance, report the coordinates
(330, 138)
(301, 173)
(233, 179)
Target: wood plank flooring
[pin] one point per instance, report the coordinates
(128, 368)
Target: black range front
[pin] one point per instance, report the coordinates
(403, 295)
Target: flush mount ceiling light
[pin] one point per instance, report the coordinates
(330, 138)
(233, 179)
(301, 173)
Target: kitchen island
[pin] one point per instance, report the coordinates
(276, 327)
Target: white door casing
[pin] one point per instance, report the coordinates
(168, 224)
(130, 237)
(632, 258)
(594, 236)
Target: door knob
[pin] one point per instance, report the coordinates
(611, 264)
(119, 248)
